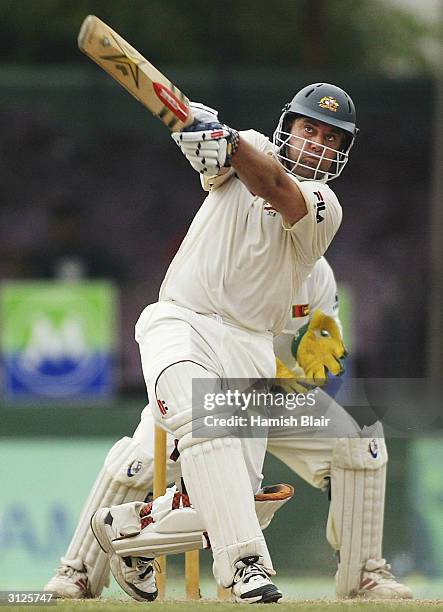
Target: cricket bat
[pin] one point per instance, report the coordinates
(127, 66)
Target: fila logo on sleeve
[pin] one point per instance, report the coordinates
(320, 206)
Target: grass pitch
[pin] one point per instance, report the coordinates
(205, 605)
(304, 594)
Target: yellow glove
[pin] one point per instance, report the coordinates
(291, 386)
(321, 348)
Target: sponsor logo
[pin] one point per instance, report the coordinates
(162, 406)
(250, 560)
(373, 448)
(126, 62)
(134, 468)
(320, 206)
(335, 307)
(329, 103)
(170, 100)
(34, 533)
(82, 583)
(269, 210)
(300, 310)
(58, 340)
(216, 134)
(367, 583)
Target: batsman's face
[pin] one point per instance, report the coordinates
(313, 147)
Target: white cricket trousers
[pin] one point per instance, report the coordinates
(168, 334)
(177, 348)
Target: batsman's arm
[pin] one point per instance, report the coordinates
(210, 146)
(265, 177)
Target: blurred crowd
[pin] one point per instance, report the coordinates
(116, 205)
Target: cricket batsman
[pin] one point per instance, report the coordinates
(210, 322)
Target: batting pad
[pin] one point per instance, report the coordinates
(172, 528)
(355, 522)
(219, 488)
(123, 478)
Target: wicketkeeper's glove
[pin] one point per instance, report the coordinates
(320, 348)
(207, 144)
(289, 381)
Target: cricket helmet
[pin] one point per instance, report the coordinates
(323, 102)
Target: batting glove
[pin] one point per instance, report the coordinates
(203, 113)
(207, 144)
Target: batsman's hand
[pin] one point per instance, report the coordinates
(207, 144)
(321, 349)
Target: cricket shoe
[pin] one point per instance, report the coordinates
(135, 575)
(377, 582)
(69, 583)
(252, 583)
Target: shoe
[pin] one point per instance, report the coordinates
(252, 583)
(135, 575)
(378, 583)
(68, 583)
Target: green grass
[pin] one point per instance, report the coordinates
(208, 605)
(304, 594)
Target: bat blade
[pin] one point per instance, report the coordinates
(134, 72)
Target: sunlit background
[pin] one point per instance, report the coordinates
(95, 199)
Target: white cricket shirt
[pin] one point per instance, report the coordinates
(318, 292)
(238, 260)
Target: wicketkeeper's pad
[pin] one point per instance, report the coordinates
(123, 478)
(355, 524)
